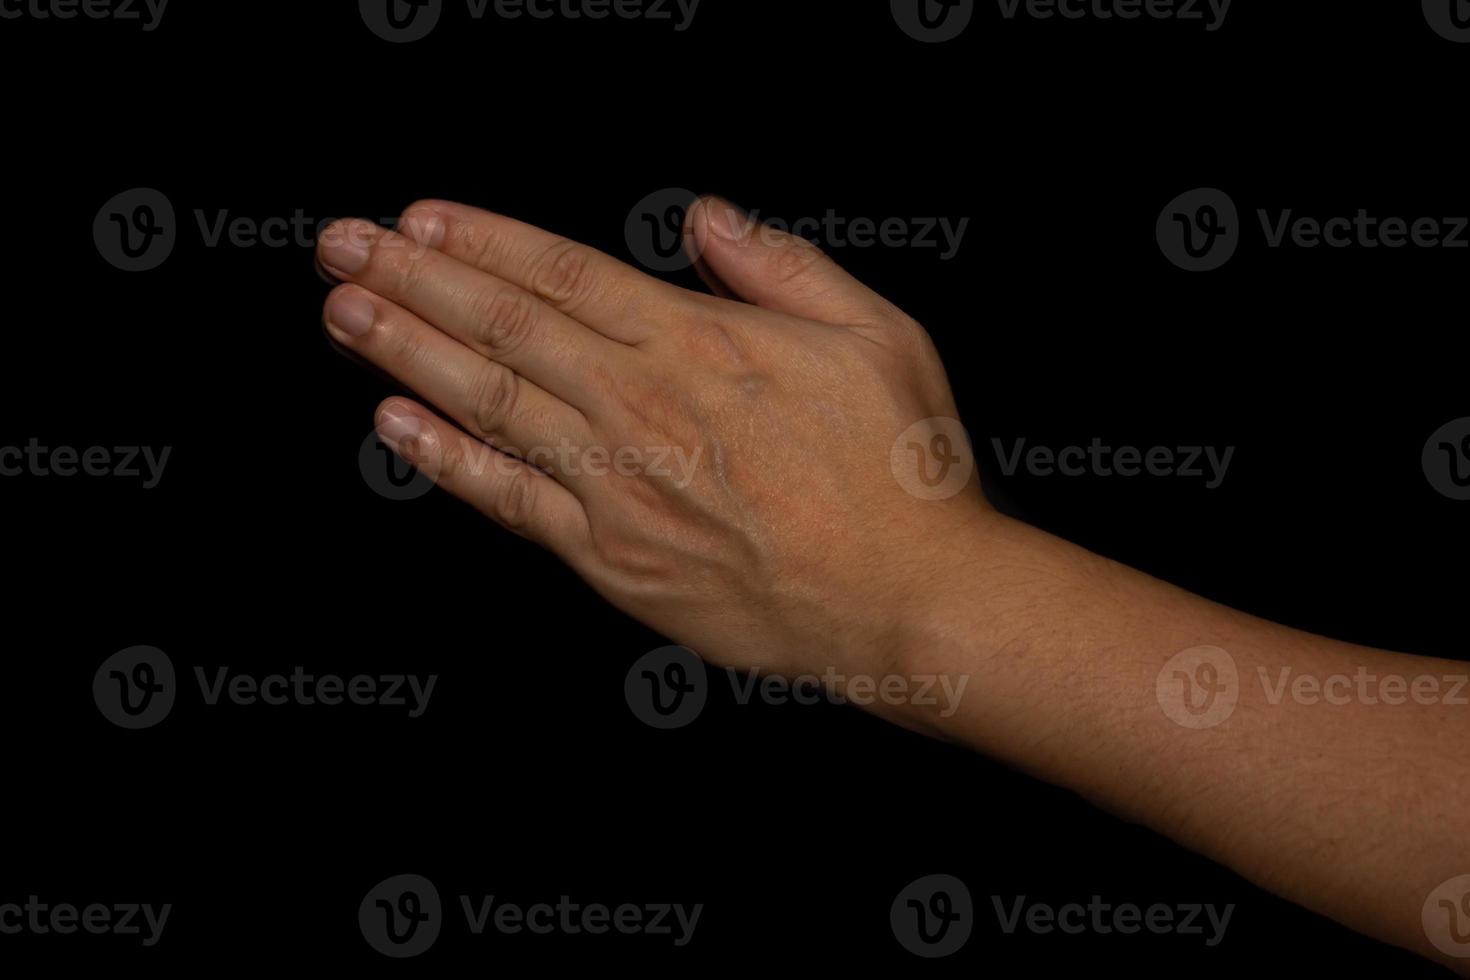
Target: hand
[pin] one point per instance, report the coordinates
(717, 468)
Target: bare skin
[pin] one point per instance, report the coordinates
(720, 468)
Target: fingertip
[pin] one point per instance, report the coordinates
(350, 312)
(425, 222)
(391, 409)
(343, 249)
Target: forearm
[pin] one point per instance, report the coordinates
(1345, 792)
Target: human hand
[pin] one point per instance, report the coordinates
(719, 469)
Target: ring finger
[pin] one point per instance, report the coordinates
(488, 399)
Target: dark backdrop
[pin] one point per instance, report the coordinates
(263, 548)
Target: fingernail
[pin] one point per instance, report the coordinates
(726, 220)
(351, 312)
(424, 227)
(401, 432)
(344, 249)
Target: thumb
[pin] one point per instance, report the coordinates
(777, 270)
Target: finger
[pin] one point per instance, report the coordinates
(593, 288)
(487, 399)
(715, 284)
(514, 494)
(485, 313)
(779, 271)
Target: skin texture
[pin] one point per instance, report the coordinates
(720, 468)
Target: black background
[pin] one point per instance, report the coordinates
(528, 778)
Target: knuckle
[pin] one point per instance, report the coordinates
(405, 345)
(515, 504)
(452, 461)
(796, 262)
(408, 273)
(418, 221)
(494, 397)
(629, 558)
(417, 209)
(563, 274)
(504, 320)
(477, 245)
(659, 411)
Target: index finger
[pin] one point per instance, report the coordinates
(589, 286)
